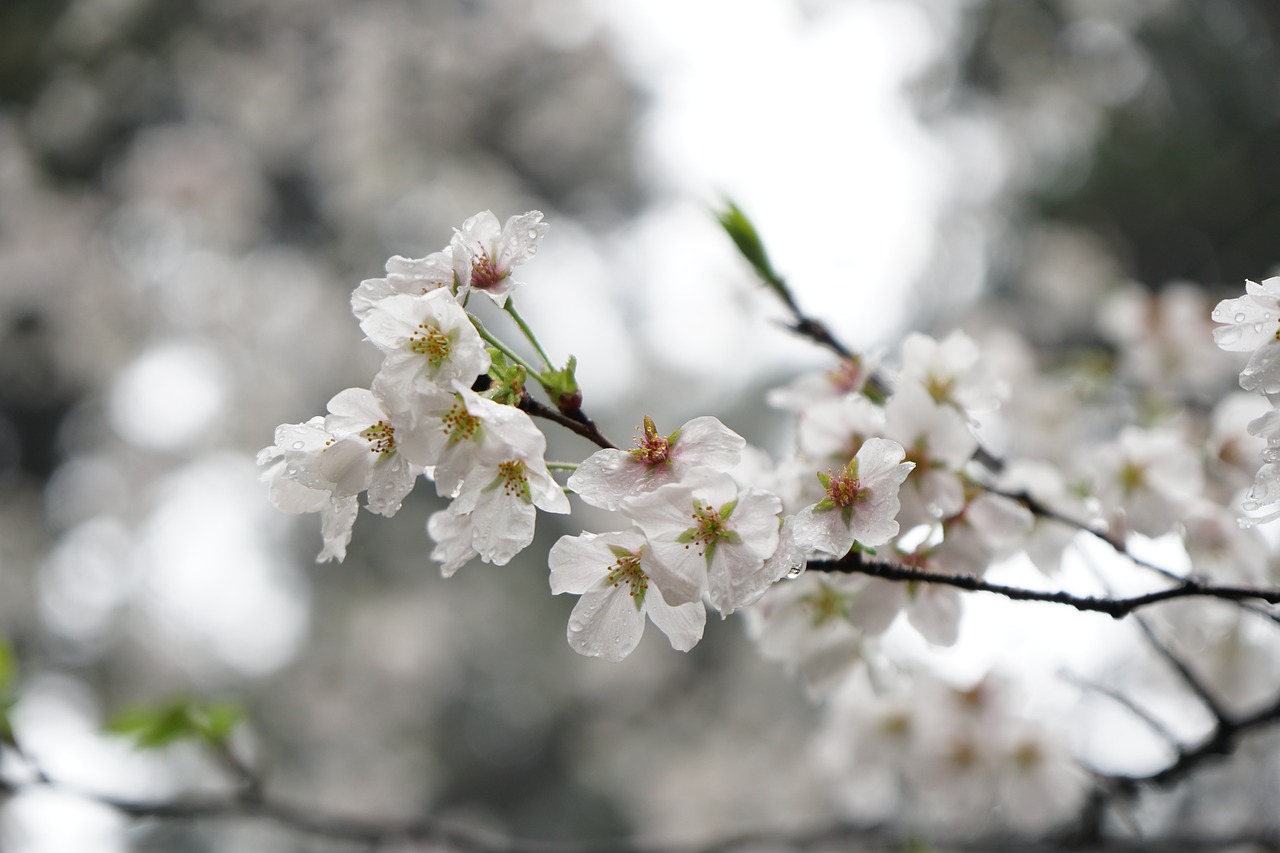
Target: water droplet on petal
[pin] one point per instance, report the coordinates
(1257, 327)
(794, 572)
(298, 445)
(575, 627)
(1240, 317)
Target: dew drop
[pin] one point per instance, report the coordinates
(794, 572)
(1240, 318)
(291, 470)
(575, 627)
(1257, 327)
(298, 445)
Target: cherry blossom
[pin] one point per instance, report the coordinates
(413, 276)
(707, 535)
(485, 253)
(428, 341)
(1252, 325)
(611, 573)
(337, 514)
(608, 476)
(374, 446)
(861, 502)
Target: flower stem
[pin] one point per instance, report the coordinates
(510, 308)
(515, 357)
(562, 466)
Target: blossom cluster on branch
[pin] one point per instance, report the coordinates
(911, 474)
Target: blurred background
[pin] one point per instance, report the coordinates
(190, 191)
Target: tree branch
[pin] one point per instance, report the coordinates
(575, 422)
(1117, 608)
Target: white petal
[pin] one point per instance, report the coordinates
(683, 624)
(606, 624)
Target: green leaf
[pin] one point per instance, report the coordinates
(744, 235)
(8, 668)
(157, 726)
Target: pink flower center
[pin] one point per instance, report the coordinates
(485, 274)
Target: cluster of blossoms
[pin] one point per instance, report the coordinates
(946, 757)
(888, 470)
(899, 468)
(1251, 323)
(421, 416)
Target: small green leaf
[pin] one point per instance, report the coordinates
(6, 724)
(8, 668)
(157, 726)
(745, 236)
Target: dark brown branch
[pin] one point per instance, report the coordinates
(1117, 608)
(575, 421)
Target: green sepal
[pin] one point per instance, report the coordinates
(673, 438)
(863, 549)
(727, 509)
(687, 537)
(562, 386)
(825, 480)
(733, 537)
(506, 379)
(825, 503)
(621, 553)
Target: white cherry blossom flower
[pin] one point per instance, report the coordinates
(501, 493)
(950, 371)
(485, 253)
(428, 341)
(413, 276)
(458, 427)
(808, 624)
(850, 376)
(608, 476)
(707, 535)
(837, 427)
(611, 571)
(1147, 478)
(861, 502)
(337, 514)
(374, 445)
(1252, 324)
(939, 442)
(989, 528)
